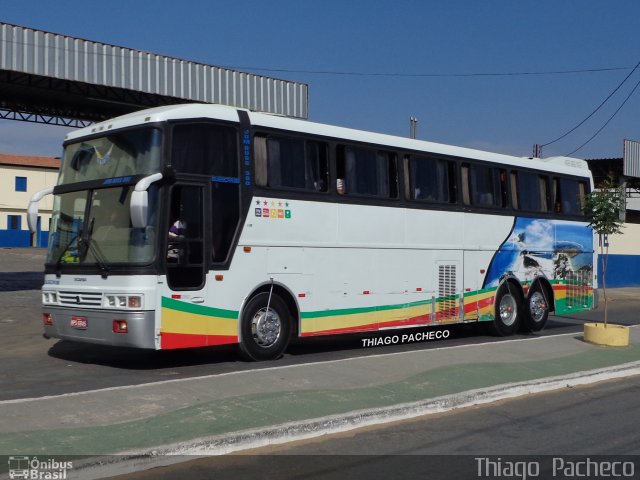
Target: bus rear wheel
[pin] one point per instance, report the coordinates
(537, 309)
(507, 311)
(264, 334)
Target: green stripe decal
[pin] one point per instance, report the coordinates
(197, 309)
(480, 292)
(381, 308)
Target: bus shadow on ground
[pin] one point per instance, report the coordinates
(140, 359)
(299, 351)
(15, 281)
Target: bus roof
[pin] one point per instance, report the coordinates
(567, 165)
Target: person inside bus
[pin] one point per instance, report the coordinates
(177, 233)
(340, 186)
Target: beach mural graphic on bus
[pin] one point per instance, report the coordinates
(558, 250)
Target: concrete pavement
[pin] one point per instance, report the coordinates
(222, 413)
(228, 412)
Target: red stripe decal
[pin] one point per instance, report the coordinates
(169, 341)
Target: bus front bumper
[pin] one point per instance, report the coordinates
(97, 326)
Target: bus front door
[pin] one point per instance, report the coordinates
(187, 254)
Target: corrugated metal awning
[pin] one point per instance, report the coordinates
(631, 158)
(48, 55)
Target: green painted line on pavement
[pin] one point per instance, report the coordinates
(254, 411)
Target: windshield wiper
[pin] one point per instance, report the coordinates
(62, 253)
(92, 246)
(99, 256)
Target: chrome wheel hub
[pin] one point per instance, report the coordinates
(266, 327)
(537, 306)
(508, 310)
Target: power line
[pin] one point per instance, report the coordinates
(607, 122)
(593, 113)
(345, 73)
(440, 75)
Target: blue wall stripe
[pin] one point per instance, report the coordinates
(622, 271)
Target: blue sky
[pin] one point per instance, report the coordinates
(398, 38)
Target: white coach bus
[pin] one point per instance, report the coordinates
(197, 225)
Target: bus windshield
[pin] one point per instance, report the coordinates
(94, 227)
(118, 154)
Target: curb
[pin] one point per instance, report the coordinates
(127, 462)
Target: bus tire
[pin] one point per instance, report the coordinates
(264, 337)
(537, 309)
(507, 311)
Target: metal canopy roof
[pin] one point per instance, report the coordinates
(51, 78)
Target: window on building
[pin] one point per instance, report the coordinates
(14, 222)
(21, 184)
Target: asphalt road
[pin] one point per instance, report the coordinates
(598, 422)
(34, 366)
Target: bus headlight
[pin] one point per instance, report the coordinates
(49, 298)
(123, 302)
(134, 301)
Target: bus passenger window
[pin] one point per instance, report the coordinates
(291, 163)
(205, 149)
(464, 174)
(568, 195)
(529, 192)
(316, 166)
(514, 191)
(429, 179)
(484, 183)
(555, 195)
(367, 172)
(582, 192)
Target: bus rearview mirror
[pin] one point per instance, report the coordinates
(139, 204)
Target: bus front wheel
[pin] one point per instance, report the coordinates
(507, 311)
(265, 333)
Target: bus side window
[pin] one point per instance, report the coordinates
(428, 179)
(582, 193)
(260, 158)
(555, 195)
(515, 204)
(482, 183)
(316, 166)
(205, 149)
(464, 176)
(530, 195)
(502, 187)
(366, 171)
(568, 195)
(283, 162)
(543, 183)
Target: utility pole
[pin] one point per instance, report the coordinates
(413, 127)
(537, 151)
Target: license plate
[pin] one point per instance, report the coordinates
(79, 322)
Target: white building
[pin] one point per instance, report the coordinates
(20, 177)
